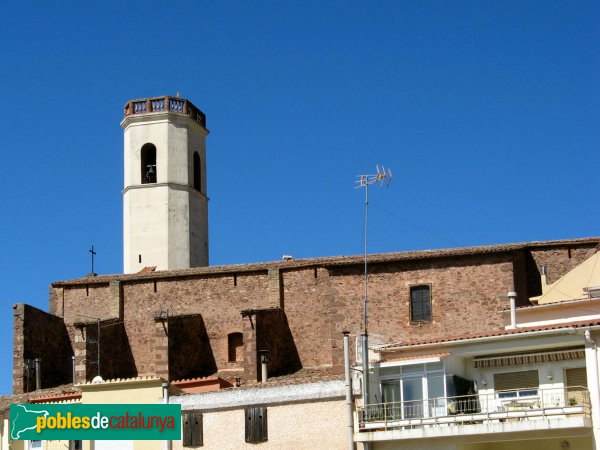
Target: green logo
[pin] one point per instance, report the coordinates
(91, 422)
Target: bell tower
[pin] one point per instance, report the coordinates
(165, 206)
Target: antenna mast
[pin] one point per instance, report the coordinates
(381, 178)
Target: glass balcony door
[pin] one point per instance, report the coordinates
(414, 391)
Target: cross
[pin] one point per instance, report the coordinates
(93, 253)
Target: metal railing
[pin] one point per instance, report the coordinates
(477, 408)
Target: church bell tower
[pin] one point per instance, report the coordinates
(165, 207)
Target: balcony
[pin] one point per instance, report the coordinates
(501, 411)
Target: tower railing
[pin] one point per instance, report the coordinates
(165, 104)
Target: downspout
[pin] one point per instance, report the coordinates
(349, 408)
(38, 374)
(591, 362)
(166, 444)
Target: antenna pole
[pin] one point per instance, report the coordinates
(98, 357)
(365, 181)
(365, 336)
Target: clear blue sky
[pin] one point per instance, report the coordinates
(487, 112)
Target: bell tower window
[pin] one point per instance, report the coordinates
(197, 172)
(148, 159)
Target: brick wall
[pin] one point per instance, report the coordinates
(558, 261)
(190, 353)
(269, 330)
(465, 295)
(38, 334)
(318, 303)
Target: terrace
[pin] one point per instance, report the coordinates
(482, 413)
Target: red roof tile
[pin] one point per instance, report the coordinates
(328, 261)
(504, 332)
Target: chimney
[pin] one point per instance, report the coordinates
(264, 360)
(512, 296)
(544, 279)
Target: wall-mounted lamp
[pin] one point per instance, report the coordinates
(550, 377)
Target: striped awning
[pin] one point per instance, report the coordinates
(529, 358)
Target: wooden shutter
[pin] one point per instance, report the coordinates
(516, 380)
(256, 424)
(192, 429)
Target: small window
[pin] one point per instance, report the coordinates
(148, 160)
(235, 347)
(197, 172)
(516, 384)
(256, 424)
(420, 303)
(35, 444)
(192, 429)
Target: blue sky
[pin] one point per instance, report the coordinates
(487, 112)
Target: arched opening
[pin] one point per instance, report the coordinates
(235, 347)
(148, 159)
(197, 172)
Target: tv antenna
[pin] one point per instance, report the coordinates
(383, 177)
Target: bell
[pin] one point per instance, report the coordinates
(151, 174)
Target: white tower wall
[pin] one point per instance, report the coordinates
(165, 223)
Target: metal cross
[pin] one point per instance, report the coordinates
(93, 254)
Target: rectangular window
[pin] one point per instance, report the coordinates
(256, 424)
(420, 303)
(517, 384)
(192, 429)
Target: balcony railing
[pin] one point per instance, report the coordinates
(165, 104)
(477, 408)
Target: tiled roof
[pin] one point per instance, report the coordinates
(497, 333)
(64, 390)
(328, 261)
(123, 380)
(568, 303)
(302, 376)
(57, 398)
